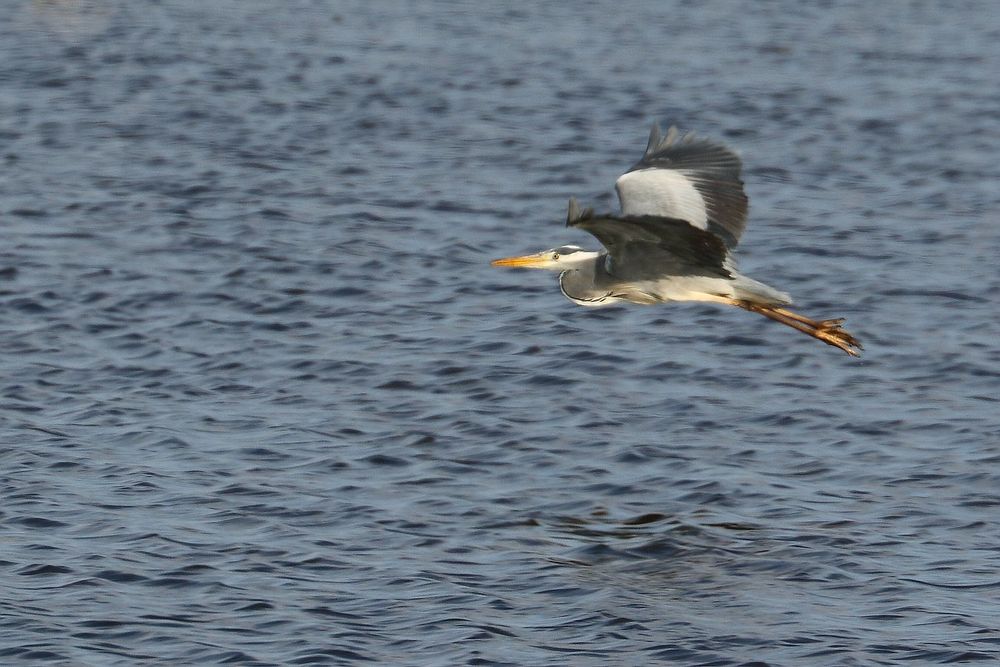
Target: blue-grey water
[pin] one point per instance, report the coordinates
(264, 401)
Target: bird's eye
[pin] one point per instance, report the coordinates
(555, 256)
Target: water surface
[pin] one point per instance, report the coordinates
(265, 402)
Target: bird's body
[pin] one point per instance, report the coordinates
(683, 212)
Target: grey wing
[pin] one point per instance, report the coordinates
(690, 179)
(648, 247)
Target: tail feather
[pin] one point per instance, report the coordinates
(748, 289)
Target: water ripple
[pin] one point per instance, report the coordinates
(265, 402)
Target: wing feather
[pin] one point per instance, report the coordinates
(687, 178)
(647, 246)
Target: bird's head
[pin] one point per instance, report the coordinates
(563, 258)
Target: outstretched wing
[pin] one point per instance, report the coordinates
(647, 247)
(687, 178)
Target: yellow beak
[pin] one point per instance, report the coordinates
(536, 261)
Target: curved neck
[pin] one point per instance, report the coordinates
(583, 283)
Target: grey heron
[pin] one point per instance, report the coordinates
(683, 210)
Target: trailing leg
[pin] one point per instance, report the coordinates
(828, 331)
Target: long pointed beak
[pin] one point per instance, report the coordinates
(535, 261)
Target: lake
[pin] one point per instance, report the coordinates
(264, 401)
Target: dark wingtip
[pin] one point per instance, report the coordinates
(658, 141)
(575, 214)
(654, 138)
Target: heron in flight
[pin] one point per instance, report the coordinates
(683, 212)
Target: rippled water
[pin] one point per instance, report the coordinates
(265, 402)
